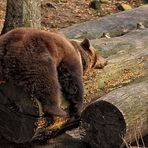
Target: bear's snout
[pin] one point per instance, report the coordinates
(101, 62)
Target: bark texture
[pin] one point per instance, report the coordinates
(22, 13)
(116, 24)
(103, 125)
(127, 63)
(100, 124)
(132, 101)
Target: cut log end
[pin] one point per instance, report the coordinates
(104, 125)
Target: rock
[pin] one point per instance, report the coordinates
(140, 25)
(50, 5)
(123, 7)
(105, 1)
(95, 4)
(106, 35)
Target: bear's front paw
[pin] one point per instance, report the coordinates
(75, 111)
(75, 116)
(54, 110)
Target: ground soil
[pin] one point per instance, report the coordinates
(58, 14)
(62, 13)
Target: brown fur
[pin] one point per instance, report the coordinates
(90, 59)
(44, 63)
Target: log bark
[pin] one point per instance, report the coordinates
(127, 63)
(103, 125)
(99, 124)
(132, 101)
(116, 24)
(22, 13)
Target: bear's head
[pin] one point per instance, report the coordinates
(90, 59)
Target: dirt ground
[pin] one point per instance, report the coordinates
(58, 14)
(62, 13)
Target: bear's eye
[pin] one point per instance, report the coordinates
(84, 63)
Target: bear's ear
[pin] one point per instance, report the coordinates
(86, 44)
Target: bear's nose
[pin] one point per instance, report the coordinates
(106, 62)
(101, 63)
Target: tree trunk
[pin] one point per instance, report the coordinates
(22, 13)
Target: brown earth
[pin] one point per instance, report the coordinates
(58, 14)
(67, 12)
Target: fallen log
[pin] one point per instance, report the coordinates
(132, 101)
(127, 63)
(103, 125)
(116, 24)
(127, 58)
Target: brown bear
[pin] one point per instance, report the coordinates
(45, 64)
